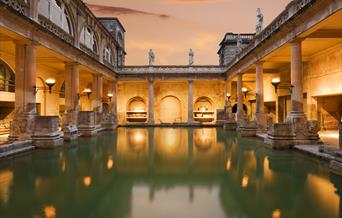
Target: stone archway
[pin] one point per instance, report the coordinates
(170, 109)
(234, 108)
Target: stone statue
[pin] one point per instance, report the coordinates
(151, 57)
(259, 22)
(239, 43)
(191, 57)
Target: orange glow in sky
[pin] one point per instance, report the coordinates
(172, 27)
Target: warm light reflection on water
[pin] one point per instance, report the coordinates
(6, 180)
(167, 172)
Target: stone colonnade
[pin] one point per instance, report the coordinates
(27, 125)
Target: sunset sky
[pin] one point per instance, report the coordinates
(172, 27)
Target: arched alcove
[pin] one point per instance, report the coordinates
(136, 110)
(170, 109)
(204, 110)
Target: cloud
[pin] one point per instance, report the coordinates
(103, 9)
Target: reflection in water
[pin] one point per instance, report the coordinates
(110, 162)
(168, 141)
(50, 211)
(276, 213)
(244, 182)
(6, 179)
(204, 138)
(167, 172)
(137, 139)
(87, 181)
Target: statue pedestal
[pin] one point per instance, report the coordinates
(46, 133)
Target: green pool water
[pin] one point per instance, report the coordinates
(167, 172)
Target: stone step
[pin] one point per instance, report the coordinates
(15, 148)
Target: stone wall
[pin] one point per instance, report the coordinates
(127, 91)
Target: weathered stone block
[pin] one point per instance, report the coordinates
(280, 136)
(46, 133)
(86, 123)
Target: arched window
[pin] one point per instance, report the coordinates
(107, 55)
(88, 39)
(7, 78)
(55, 11)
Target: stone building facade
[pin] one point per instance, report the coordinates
(63, 61)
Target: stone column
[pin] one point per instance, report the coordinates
(72, 83)
(97, 98)
(190, 102)
(25, 95)
(296, 81)
(70, 115)
(109, 118)
(97, 90)
(113, 87)
(240, 112)
(260, 116)
(150, 102)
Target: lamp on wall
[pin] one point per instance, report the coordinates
(245, 91)
(276, 83)
(110, 96)
(50, 83)
(228, 96)
(87, 92)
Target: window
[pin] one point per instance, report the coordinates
(7, 78)
(88, 39)
(107, 55)
(55, 11)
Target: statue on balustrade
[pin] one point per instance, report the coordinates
(239, 43)
(191, 57)
(151, 57)
(259, 22)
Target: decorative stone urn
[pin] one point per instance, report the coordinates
(46, 133)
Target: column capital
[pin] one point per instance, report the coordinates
(260, 62)
(71, 63)
(297, 40)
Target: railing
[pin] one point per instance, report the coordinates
(20, 6)
(293, 9)
(89, 52)
(55, 29)
(171, 69)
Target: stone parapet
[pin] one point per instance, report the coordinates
(46, 133)
(87, 123)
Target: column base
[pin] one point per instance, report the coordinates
(46, 134)
(229, 125)
(21, 127)
(261, 122)
(70, 132)
(246, 128)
